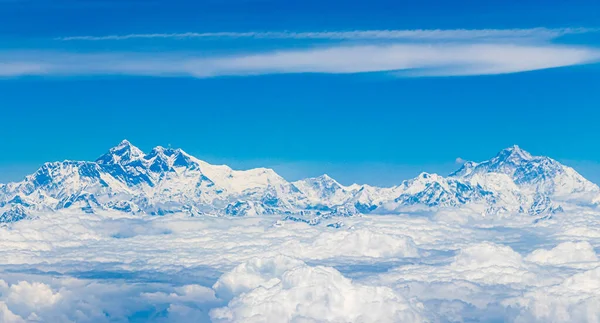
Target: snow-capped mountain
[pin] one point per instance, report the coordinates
(531, 174)
(167, 180)
(164, 181)
(534, 183)
(513, 181)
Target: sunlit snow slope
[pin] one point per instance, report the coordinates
(167, 180)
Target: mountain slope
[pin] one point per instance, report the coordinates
(167, 180)
(529, 179)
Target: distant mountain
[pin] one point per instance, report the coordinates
(534, 183)
(167, 180)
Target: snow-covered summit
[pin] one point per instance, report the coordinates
(325, 190)
(168, 180)
(123, 153)
(531, 174)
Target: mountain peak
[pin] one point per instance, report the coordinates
(168, 180)
(322, 181)
(167, 151)
(325, 177)
(513, 154)
(507, 161)
(124, 143)
(123, 152)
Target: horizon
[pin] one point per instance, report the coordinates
(285, 170)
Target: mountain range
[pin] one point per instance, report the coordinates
(166, 180)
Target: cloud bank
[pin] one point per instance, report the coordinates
(113, 267)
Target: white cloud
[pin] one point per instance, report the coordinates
(359, 243)
(252, 274)
(40, 299)
(480, 263)
(7, 316)
(312, 294)
(34, 294)
(577, 299)
(161, 269)
(17, 68)
(564, 254)
(486, 255)
(407, 60)
(414, 34)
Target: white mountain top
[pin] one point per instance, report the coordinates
(325, 190)
(531, 175)
(167, 180)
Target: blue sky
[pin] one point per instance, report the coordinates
(366, 92)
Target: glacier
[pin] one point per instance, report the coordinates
(166, 237)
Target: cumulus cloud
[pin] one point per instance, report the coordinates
(486, 255)
(32, 295)
(296, 292)
(39, 299)
(577, 299)
(407, 60)
(482, 263)
(118, 267)
(252, 274)
(564, 254)
(473, 285)
(7, 316)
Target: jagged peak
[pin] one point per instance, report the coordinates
(513, 153)
(466, 169)
(429, 176)
(169, 157)
(506, 161)
(122, 153)
(324, 178)
(156, 151)
(167, 151)
(173, 180)
(124, 143)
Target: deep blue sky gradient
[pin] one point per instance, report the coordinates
(369, 127)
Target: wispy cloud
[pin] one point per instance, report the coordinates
(415, 34)
(403, 59)
(10, 67)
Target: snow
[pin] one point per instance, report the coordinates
(463, 248)
(168, 180)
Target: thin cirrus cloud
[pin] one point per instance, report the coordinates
(406, 60)
(411, 34)
(406, 53)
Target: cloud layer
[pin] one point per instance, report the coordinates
(113, 267)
